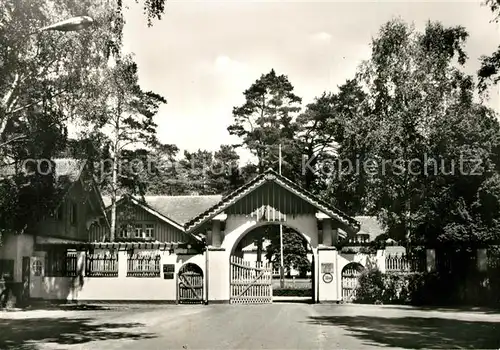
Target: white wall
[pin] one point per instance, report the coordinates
(121, 287)
(237, 226)
(16, 247)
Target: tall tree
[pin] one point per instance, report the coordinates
(266, 120)
(48, 79)
(421, 106)
(130, 123)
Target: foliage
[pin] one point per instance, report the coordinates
(371, 287)
(490, 65)
(432, 288)
(48, 80)
(339, 137)
(415, 119)
(295, 249)
(266, 120)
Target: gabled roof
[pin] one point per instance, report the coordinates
(271, 175)
(152, 211)
(179, 209)
(67, 172)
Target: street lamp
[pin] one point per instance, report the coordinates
(70, 25)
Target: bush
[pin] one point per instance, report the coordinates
(370, 288)
(406, 288)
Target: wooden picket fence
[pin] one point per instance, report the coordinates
(143, 265)
(404, 263)
(251, 282)
(101, 265)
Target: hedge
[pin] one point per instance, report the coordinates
(480, 289)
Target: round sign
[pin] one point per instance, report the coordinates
(327, 278)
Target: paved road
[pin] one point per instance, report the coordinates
(273, 326)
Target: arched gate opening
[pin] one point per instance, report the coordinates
(255, 266)
(350, 277)
(190, 284)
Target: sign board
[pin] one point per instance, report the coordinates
(327, 278)
(168, 271)
(326, 267)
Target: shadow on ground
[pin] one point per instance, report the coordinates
(417, 332)
(483, 310)
(26, 333)
(67, 307)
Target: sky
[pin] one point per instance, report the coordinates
(202, 55)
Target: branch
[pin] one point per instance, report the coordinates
(8, 97)
(126, 144)
(34, 103)
(17, 138)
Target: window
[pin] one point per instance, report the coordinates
(150, 229)
(60, 263)
(138, 230)
(123, 231)
(73, 213)
(37, 268)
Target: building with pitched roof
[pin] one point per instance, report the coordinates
(74, 207)
(185, 248)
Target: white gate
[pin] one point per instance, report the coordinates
(350, 276)
(251, 282)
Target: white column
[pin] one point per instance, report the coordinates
(217, 275)
(122, 263)
(328, 280)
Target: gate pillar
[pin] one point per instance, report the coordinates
(328, 276)
(217, 273)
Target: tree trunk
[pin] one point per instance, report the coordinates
(113, 197)
(114, 180)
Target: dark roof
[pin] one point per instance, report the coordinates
(369, 226)
(271, 175)
(180, 209)
(66, 172)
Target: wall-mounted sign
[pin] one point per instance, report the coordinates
(168, 268)
(327, 278)
(326, 267)
(168, 271)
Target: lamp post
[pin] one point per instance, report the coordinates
(72, 24)
(68, 25)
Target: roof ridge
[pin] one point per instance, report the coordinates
(272, 175)
(186, 196)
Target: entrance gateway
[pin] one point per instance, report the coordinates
(268, 199)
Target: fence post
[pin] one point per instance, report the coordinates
(381, 260)
(80, 263)
(430, 260)
(122, 263)
(482, 259)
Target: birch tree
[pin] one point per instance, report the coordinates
(129, 122)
